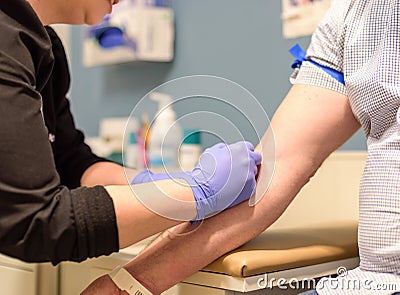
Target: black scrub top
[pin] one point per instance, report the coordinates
(44, 214)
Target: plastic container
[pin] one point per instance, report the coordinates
(133, 154)
(190, 150)
(165, 135)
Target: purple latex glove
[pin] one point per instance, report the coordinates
(223, 178)
(149, 176)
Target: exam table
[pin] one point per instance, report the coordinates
(265, 265)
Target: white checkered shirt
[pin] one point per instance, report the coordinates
(361, 39)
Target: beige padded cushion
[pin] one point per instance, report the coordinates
(282, 249)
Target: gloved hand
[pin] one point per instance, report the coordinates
(223, 178)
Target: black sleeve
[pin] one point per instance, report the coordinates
(40, 220)
(72, 155)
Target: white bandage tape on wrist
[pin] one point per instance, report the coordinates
(123, 279)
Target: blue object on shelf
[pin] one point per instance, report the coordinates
(111, 37)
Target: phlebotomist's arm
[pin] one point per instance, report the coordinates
(41, 218)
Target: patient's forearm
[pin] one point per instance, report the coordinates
(218, 235)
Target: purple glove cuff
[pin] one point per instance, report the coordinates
(199, 194)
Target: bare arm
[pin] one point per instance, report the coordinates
(310, 124)
(107, 173)
(135, 222)
(130, 213)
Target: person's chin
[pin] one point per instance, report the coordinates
(94, 20)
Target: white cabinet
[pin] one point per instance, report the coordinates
(75, 277)
(17, 277)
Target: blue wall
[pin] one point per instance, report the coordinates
(240, 40)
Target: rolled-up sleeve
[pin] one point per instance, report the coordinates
(326, 48)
